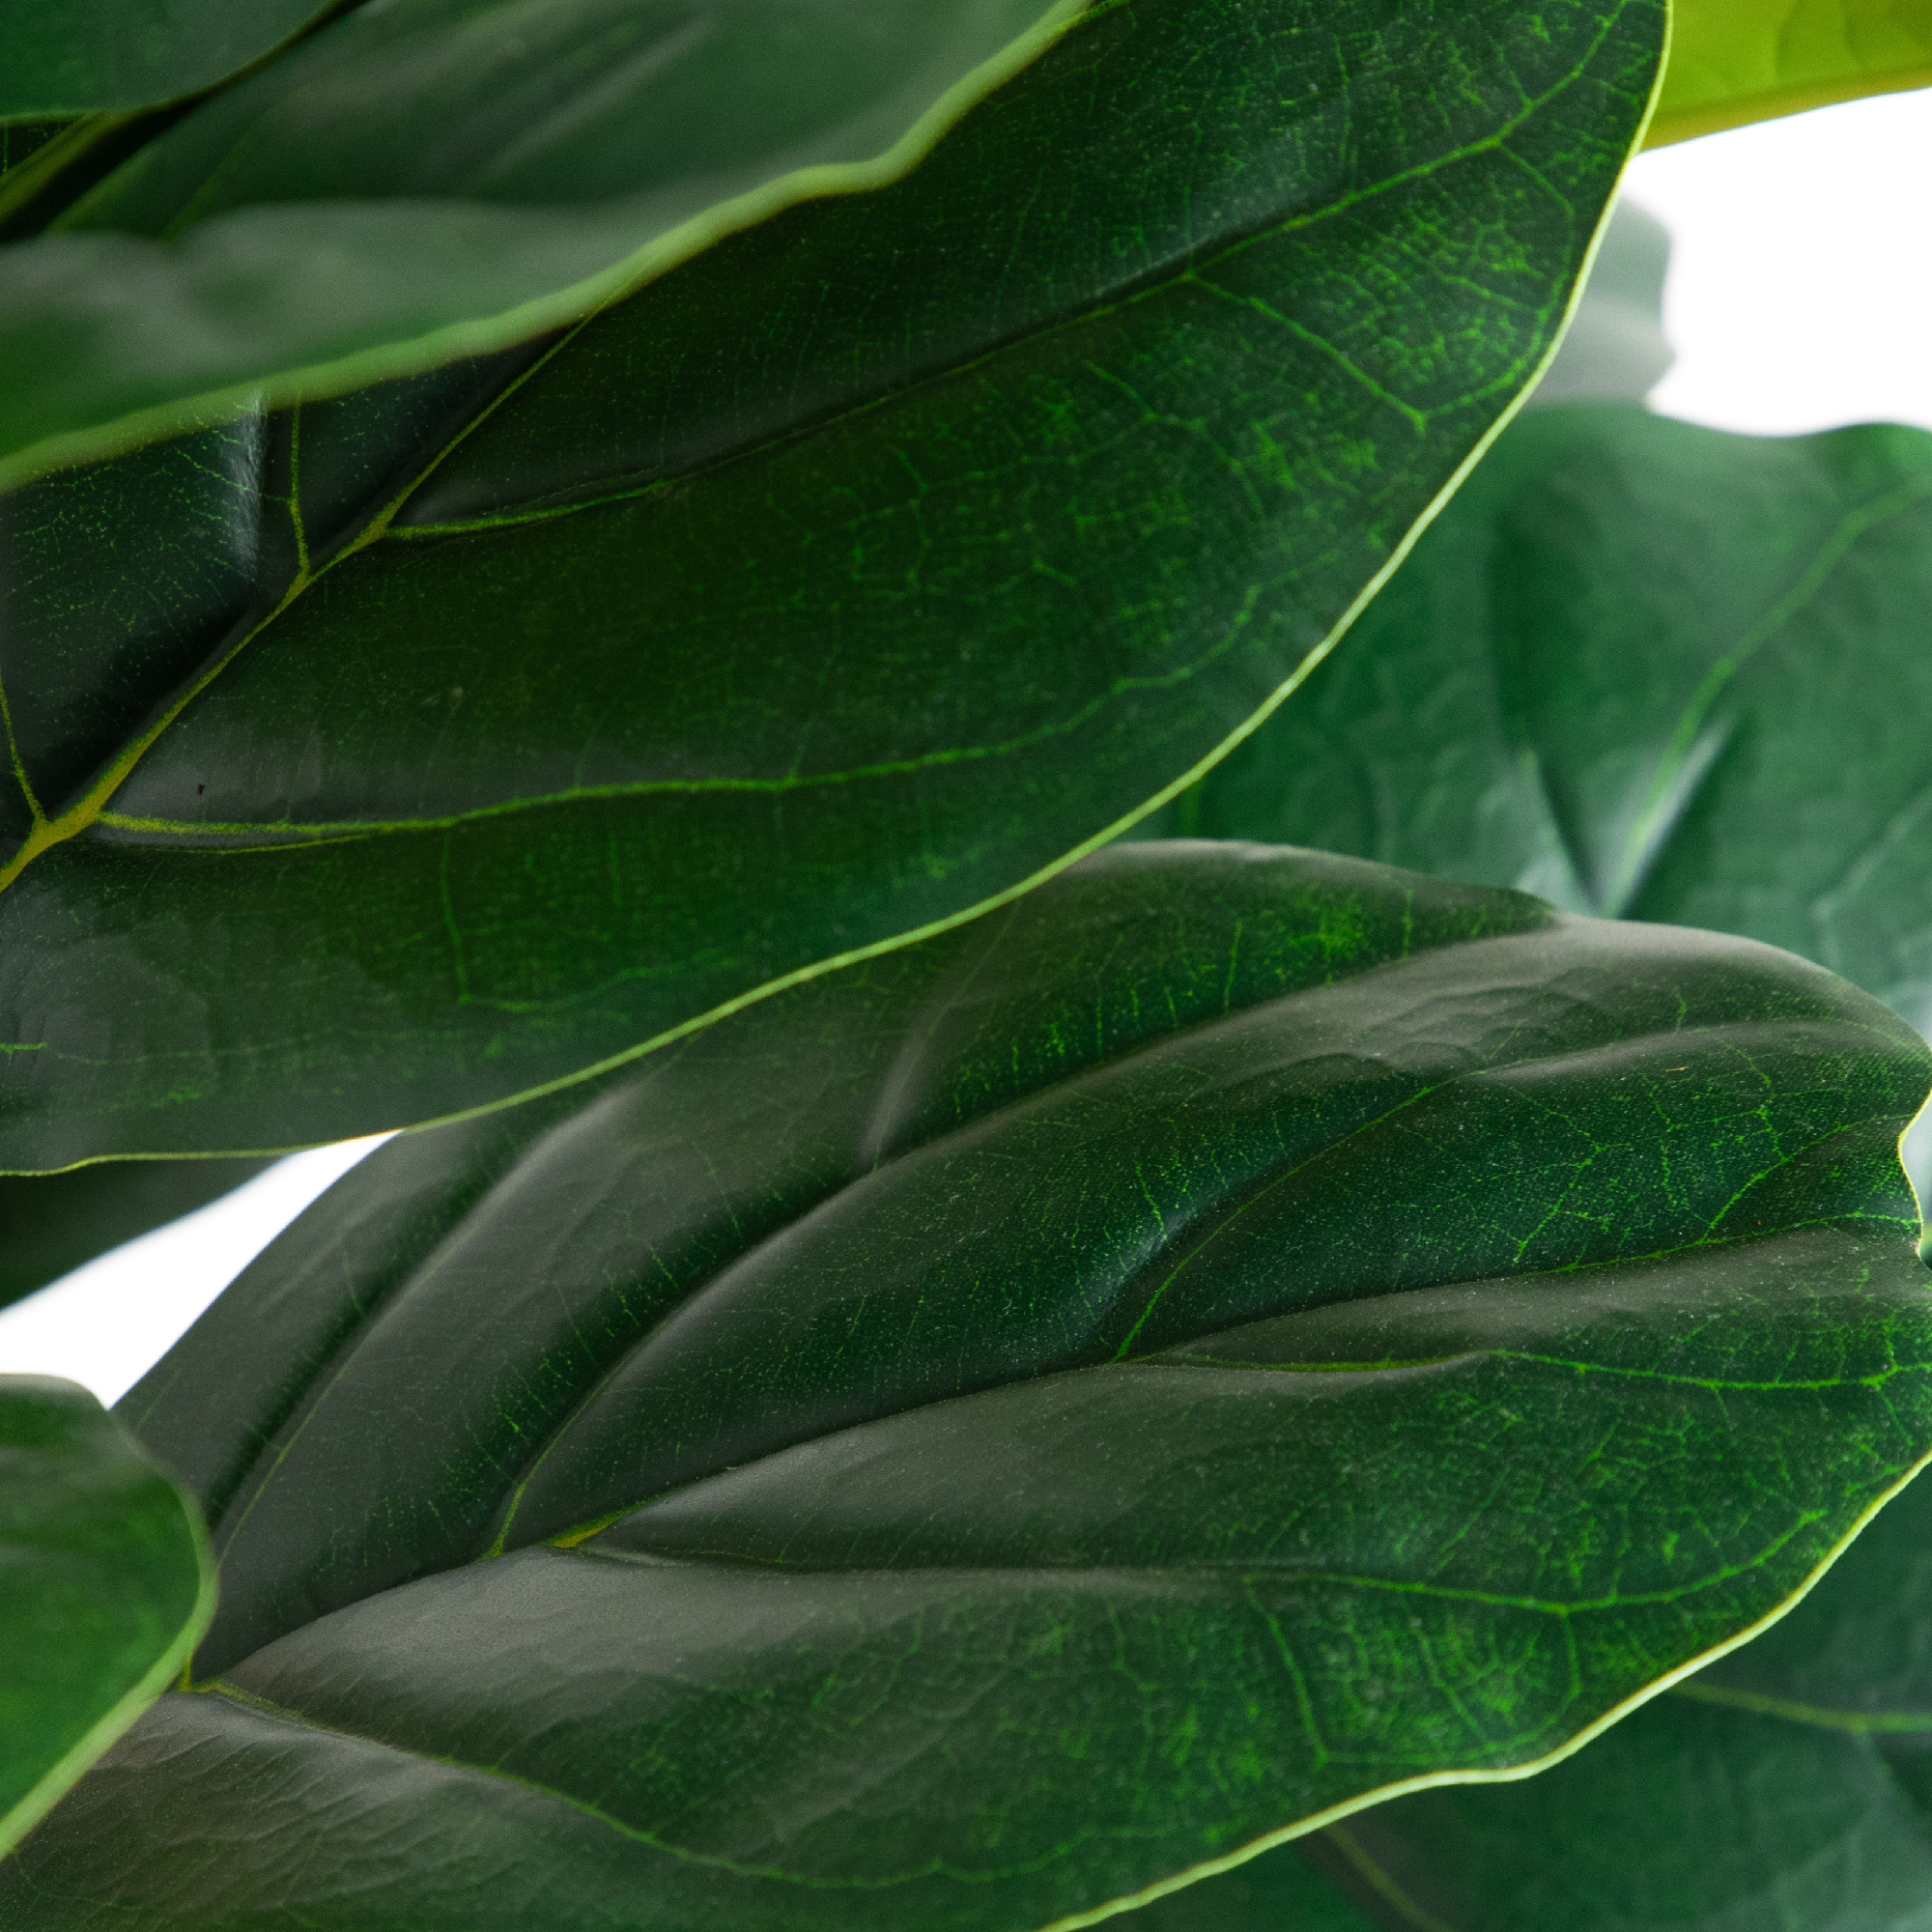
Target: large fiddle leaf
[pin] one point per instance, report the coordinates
(403, 754)
(996, 1429)
(428, 179)
(105, 1587)
(1649, 669)
(1736, 60)
(73, 56)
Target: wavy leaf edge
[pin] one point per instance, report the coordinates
(579, 302)
(1406, 1787)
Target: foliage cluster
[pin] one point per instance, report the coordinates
(1151, 1056)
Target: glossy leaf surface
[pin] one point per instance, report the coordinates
(410, 752)
(52, 1222)
(105, 1587)
(1648, 669)
(76, 56)
(1788, 1784)
(1737, 61)
(426, 179)
(988, 1431)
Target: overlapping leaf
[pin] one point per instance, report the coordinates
(427, 179)
(1736, 60)
(105, 1588)
(402, 754)
(1648, 669)
(992, 1430)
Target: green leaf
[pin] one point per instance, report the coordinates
(73, 56)
(1788, 1784)
(415, 752)
(1645, 668)
(1736, 60)
(108, 1586)
(1286, 1889)
(991, 1431)
(21, 140)
(50, 1223)
(432, 178)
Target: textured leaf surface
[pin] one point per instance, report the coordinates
(1736, 60)
(1645, 668)
(425, 179)
(1789, 1784)
(987, 1431)
(105, 1586)
(410, 752)
(73, 56)
(52, 1222)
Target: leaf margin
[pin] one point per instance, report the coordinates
(568, 307)
(1335, 1814)
(170, 1667)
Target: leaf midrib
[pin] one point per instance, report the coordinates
(1222, 1214)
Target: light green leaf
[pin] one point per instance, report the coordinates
(1651, 670)
(430, 179)
(62, 57)
(992, 1431)
(1788, 1784)
(403, 755)
(105, 1587)
(1736, 60)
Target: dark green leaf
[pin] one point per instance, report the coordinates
(990, 1430)
(1648, 669)
(433, 177)
(72, 56)
(105, 1587)
(845, 581)
(1789, 1784)
(52, 1222)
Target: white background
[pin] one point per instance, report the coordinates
(1800, 297)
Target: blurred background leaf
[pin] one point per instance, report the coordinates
(1737, 61)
